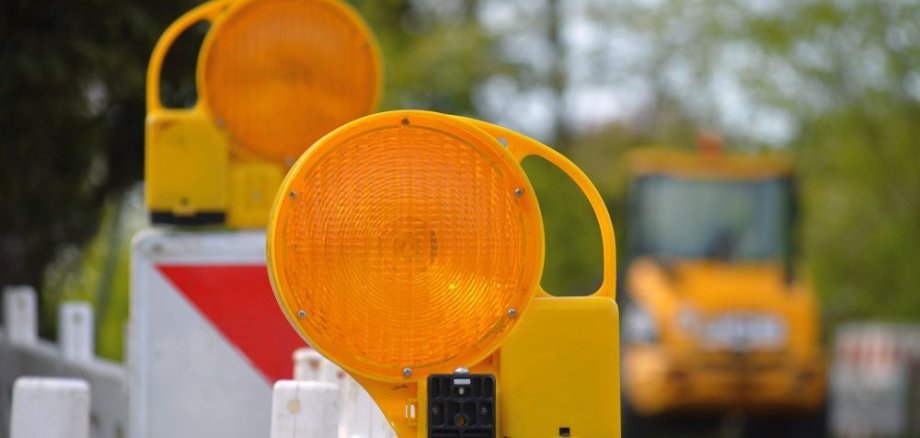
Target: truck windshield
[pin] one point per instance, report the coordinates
(710, 219)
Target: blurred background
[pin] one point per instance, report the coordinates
(834, 83)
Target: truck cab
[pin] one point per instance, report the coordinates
(715, 318)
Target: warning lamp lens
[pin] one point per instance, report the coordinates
(407, 240)
(279, 74)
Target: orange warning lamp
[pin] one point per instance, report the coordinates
(407, 247)
(272, 76)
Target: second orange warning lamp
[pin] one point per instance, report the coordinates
(405, 246)
(273, 76)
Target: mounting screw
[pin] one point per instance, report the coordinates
(518, 192)
(292, 195)
(301, 314)
(512, 312)
(407, 372)
(405, 121)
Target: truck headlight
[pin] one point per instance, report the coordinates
(689, 321)
(639, 327)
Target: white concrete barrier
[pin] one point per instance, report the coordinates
(305, 409)
(50, 408)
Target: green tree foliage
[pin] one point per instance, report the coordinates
(98, 272)
(572, 264)
(861, 169)
(436, 53)
(841, 80)
(71, 117)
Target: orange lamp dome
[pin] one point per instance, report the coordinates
(279, 74)
(405, 243)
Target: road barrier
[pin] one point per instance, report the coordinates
(359, 416)
(305, 409)
(205, 331)
(24, 354)
(41, 407)
(50, 408)
(875, 381)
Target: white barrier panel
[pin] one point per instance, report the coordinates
(305, 409)
(308, 364)
(22, 353)
(20, 314)
(207, 338)
(875, 381)
(361, 418)
(75, 331)
(50, 408)
(359, 415)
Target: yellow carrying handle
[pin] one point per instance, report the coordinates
(520, 147)
(205, 12)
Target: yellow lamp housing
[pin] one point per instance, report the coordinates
(272, 77)
(407, 247)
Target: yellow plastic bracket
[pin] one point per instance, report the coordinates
(521, 147)
(560, 367)
(205, 12)
(186, 156)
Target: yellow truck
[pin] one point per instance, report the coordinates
(715, 320)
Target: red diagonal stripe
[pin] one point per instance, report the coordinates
(238, 300)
